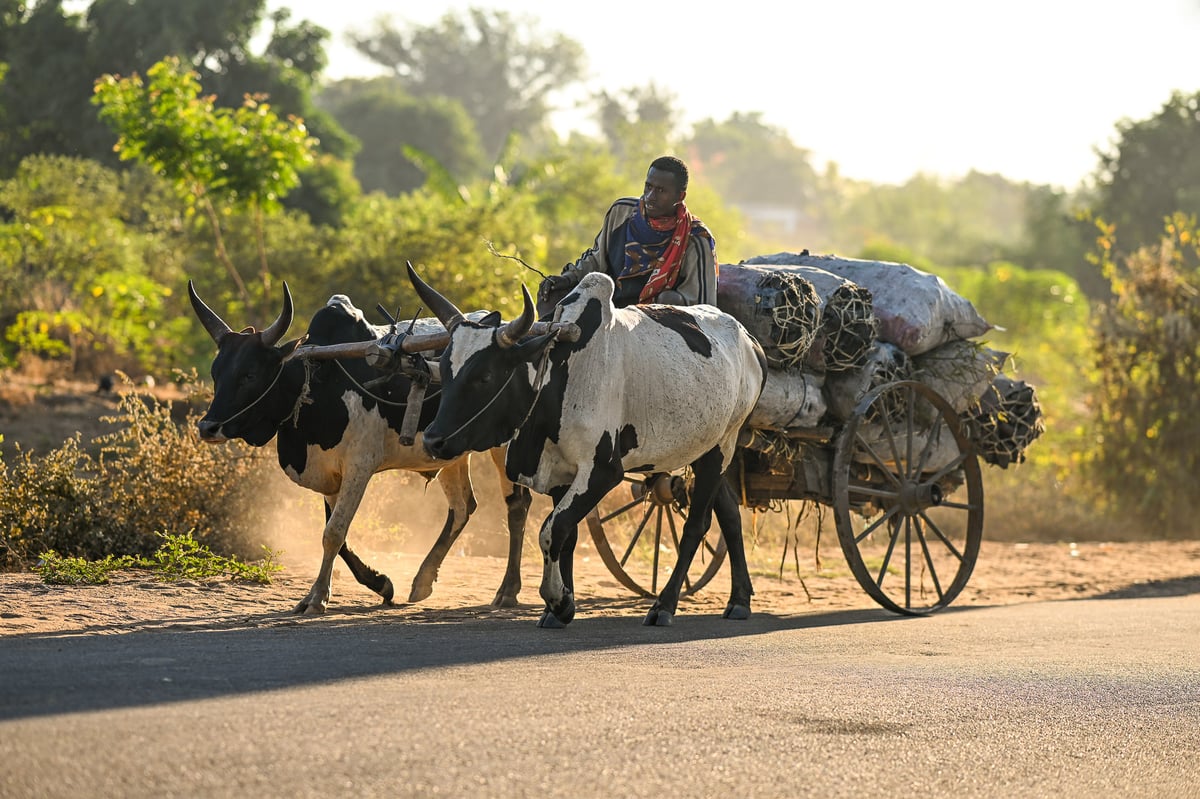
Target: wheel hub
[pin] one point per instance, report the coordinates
(660, 489)
(915, 496)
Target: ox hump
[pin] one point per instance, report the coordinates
(598, 286)
(342, 303)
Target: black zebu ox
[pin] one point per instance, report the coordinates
(334, 434)
(644, 389)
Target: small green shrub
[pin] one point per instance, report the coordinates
(179, 557)
(57, 570)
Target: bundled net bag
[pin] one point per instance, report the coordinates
(917, 311)
(1009, 419)
(848, 328)
(884, 363)
(820, 321)
(782, 311)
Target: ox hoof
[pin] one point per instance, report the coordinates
(657, 617)
(308, 608)
(503, 600)
(560, 614)
(419, 592)
(736, 612)
(388, 592)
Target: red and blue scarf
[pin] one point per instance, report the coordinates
(657, 246)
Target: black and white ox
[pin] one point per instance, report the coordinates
(644, 389)
(334, 434)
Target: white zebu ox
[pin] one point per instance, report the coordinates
(644, 389)
(333, 434)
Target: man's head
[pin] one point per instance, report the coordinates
(666, 186)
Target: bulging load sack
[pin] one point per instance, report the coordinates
(884, 363)
(917, 311)
(788, 400)
(960, 371)
(802, 316)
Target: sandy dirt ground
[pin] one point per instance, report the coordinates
(1005, 574)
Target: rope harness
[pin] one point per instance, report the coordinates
(539, 381)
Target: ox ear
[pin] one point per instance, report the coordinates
(282, 322)
(288, 347)
(512, 332)
(531, 348)
(214, 324)
(492, 319)
(442, 308)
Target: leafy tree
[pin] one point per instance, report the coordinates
(501, 68)
(1148, 360)
(1152, 172)
(245, 157)
(44, 96)
(386, 119)
(752, 162)
(1059, 235)
(79, 282)
(637, 124)
(53, 58)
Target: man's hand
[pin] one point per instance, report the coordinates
(552, 289)
(554, 286)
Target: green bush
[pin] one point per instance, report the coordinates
(1146, 449)
(151, 474)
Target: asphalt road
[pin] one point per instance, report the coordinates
(1065, 699)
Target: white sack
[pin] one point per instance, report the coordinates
(789, 399)
(917, 311)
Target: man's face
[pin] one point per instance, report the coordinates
(661, 194)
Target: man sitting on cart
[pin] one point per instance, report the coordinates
(651, 246)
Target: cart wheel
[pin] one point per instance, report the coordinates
(898, 460)
(639, 539)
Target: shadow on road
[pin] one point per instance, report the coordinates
(1179, 586)
(47, 674)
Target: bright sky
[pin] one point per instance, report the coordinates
(1028, 89)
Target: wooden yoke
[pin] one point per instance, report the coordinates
(379, 352)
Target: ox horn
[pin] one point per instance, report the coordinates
(442, 308)
(275, 331)
(214, 324)
(509, 333)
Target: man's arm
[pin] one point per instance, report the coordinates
(596, 258)
(697, 276)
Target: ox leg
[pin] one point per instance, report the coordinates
(558, 536)
(345, 505)
(709, 489)
(729, 517)
(376, 581)
(455, 480)
(517, 500)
